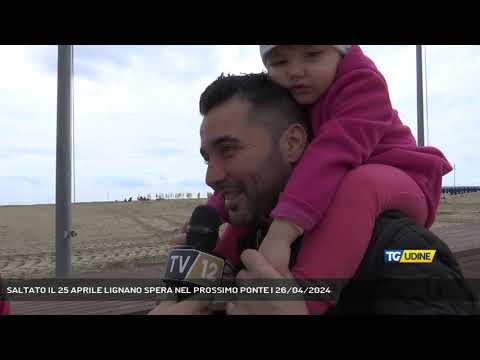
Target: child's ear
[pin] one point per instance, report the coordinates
(293, 143)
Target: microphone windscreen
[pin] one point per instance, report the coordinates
(202, 232)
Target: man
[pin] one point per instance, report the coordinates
(252, 136)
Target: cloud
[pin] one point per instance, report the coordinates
(19, 189)
(20, 180)
(192, 183)
(8, 151)
(121, 182)
(136, 118)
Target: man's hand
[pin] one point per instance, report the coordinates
(257, 267)
(275, 247)
(186, 307)
(179, 239)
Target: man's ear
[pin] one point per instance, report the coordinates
(293, 143)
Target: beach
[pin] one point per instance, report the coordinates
(110, 235)
(127, 235)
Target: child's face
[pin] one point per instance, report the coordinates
(305, 70)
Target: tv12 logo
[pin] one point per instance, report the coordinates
(191, 264)
(409, 256)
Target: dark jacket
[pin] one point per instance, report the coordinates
(382, 287)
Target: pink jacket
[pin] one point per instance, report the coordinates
(4, 308)
(4, 304)
(354, 124)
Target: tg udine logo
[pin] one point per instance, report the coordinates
(409, 256)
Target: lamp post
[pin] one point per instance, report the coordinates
(420, 124)
(63, 197)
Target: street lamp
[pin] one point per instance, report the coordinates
(420, 126)
(63, 197)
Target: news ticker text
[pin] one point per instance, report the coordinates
(230, 290)
(95, 289)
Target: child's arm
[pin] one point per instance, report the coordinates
(276, 244)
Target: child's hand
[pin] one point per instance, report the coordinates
(275, 247)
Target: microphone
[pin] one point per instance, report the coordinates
(202, 231)
(195, 263)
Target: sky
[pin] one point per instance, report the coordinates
(136, 117)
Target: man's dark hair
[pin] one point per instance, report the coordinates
(264, 96)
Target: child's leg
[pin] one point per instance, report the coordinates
(336, 247)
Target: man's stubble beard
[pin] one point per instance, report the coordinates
(259, 204)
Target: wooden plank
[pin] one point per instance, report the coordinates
(79, 307)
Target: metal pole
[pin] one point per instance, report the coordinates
(63, 201)
(420, 127)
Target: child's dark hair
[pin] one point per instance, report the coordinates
(262, 94)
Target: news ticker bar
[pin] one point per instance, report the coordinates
(136, 289)
(229, 290)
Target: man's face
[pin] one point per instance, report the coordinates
(244, 165)
(306, 71)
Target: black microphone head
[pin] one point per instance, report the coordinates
(202, 232)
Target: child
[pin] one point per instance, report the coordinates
(362, 160)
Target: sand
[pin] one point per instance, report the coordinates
(109, 235)
(458, 209)
(124, 235)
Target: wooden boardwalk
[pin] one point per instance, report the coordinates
(92, 307)
(463, 240)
